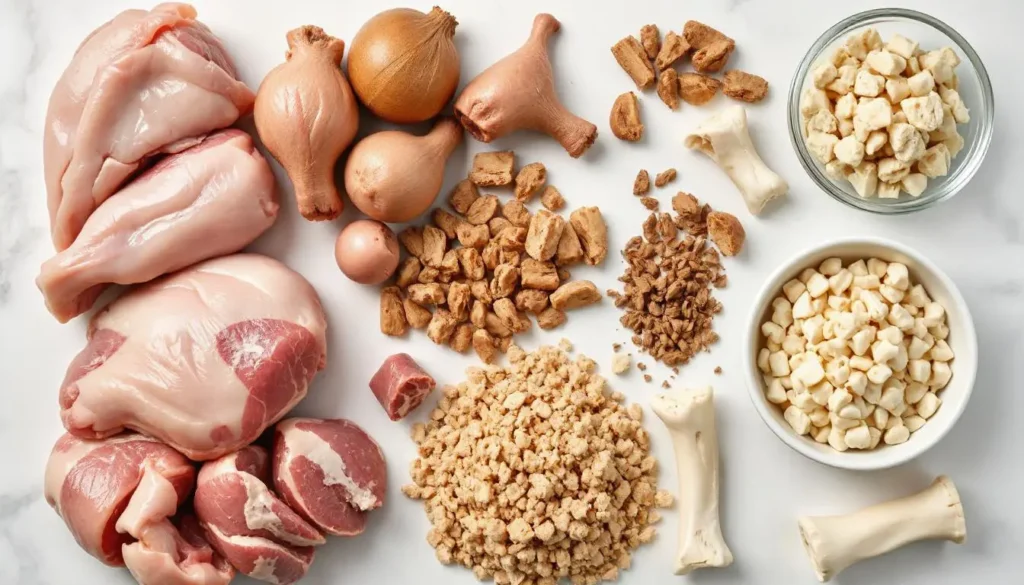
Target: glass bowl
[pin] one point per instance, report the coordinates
(974, 87)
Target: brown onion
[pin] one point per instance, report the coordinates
(403, 64)
(394, 176)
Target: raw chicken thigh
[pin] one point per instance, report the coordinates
(210, 200)
(204, 359)
(143, 84)
(118, 497)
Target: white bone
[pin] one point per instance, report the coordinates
(725, 138)
(836, 542)
(690, 418)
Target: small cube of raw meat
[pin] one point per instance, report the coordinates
(400, 385)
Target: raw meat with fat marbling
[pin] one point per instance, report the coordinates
(119, 497)
(144, 84)
(244, 521)
(210, 200)
(400, 385)
(330, 471)
(203, 359)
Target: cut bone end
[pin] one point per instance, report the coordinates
(676, 407)
(712, 552)
(809, 537)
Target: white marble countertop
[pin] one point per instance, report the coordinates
(978, 238)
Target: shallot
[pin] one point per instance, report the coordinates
(394, 176)
(518, 93)
(367, 251)
(403, 64)
(306, 116)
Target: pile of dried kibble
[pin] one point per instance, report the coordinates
(534, 472)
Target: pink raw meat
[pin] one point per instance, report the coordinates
(204, 359)
(143, 84)
(119, 496)
(244, 521)
(330, 471)
(210, 200)
(400, 385)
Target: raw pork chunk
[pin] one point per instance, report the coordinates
(204, 359)
(400, 385)
(330, 471)
(119, 497)
(260, 535)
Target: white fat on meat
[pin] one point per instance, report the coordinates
(320, 452)
(265, 570)
(259, 513)
(154, 500)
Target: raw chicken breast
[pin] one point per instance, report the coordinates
(204, 359)
(210, 200)
(143, 84)
(119, 497)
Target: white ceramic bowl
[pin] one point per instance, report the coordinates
(962, 340)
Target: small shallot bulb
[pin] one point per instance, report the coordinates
(518, 93)
(367, 251)
(306, 116)
(394, 176)
(403, 64)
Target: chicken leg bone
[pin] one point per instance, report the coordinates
(725, 138)
(690, 418)
(836, 542)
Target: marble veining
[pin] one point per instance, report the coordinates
(978, 238)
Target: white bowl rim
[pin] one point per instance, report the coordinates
(880, 458)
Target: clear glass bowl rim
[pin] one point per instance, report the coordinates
(949, 188)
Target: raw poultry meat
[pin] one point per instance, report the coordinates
(330, 471)
(210, 200)
(260, 535)
(203, 359)
(119, 497)
(143, 84)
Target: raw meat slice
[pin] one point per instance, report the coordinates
(204, 359)
(210, 200)
(119, 497)
(330, 471)
(400, 385)
(143, 84)
(244, 521)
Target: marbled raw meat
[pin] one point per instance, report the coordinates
(203, 359)
(400, 385)
(244, 521)
(210, 200)
(119, 498)
(330, 471)
(143, 84)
